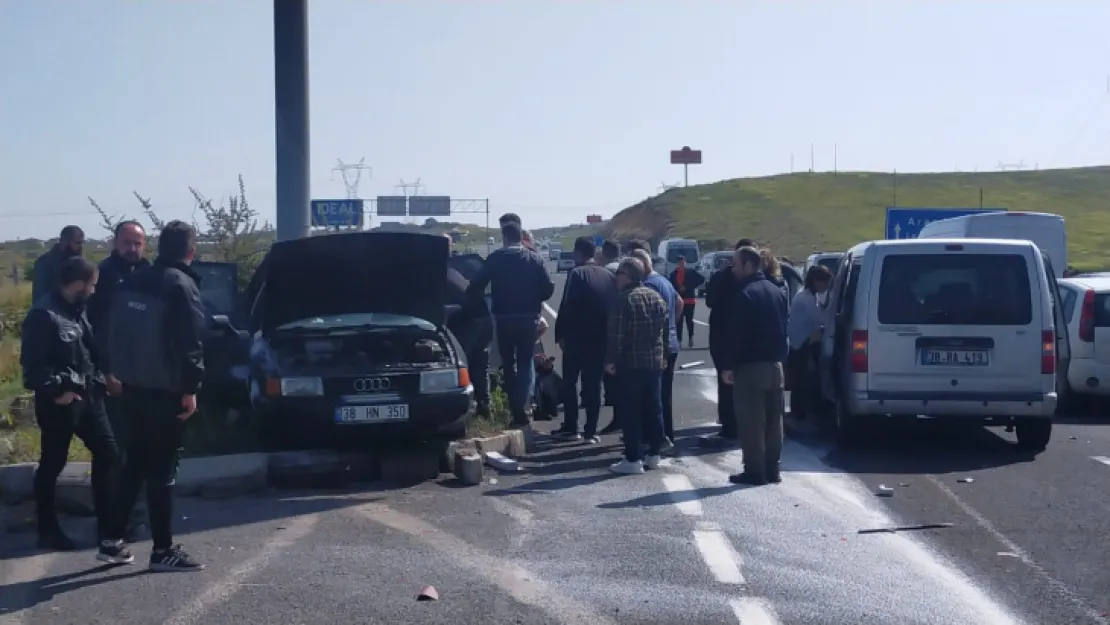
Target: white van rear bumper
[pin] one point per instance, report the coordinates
(946, 404)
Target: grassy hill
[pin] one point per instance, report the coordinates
(798, 213)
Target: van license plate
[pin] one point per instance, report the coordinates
(372, 414)
(954, 357)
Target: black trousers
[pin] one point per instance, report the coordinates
(667, 394)
(86, 419)
(687, 318)
(155, 436)
(805, 383)
(726, 411)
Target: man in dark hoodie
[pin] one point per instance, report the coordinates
(471, 325)
(44, 276)
(718, 299)
(519, 285)
(751, 364)
(156, 352)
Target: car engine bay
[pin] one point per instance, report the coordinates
(361, 351)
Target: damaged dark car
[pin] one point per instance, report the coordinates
(349, 341)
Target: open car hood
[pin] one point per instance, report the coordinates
(398, 273)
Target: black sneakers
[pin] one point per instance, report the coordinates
(173, 559)
(114, 552)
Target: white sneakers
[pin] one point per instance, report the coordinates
(624, 467)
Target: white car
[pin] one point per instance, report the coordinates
(565, 262)
(1086, 304)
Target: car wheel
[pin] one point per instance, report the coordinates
(849, 429)
(1034, 434)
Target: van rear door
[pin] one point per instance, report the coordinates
(954, 317)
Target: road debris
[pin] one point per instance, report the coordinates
(966, 480)
(501, 463)
(428, 593)
(906, 528)
(687, 365)
(884, 491)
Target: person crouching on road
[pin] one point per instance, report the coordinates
(719, 298)
(155, 332)
(660, 285)
(753, 367)
(686, 282)
(804, 332)
(636, 353)
(62, 365)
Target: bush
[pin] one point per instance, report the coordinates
(15, 300)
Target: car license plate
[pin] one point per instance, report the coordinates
(954, 357)
(372, 414)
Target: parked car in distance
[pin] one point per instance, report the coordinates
(343, 349)
(565, 262)
(966, 330)
(709, 264)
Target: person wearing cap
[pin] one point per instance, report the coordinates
(636, 353)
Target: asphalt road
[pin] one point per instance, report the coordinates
(565, 542)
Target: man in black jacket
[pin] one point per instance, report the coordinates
(128, 243)
(519, 286)
(44, 275)
(157, 325)
(580, 331)
(62, 365)
(718, 299)
(752, 365)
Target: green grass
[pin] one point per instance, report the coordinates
(796, 214)
(499, 418)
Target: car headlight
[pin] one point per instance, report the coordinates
(302, 386)
(439, 381)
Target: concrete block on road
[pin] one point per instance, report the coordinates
(468, 467)
(17, 482)
(222, 476)
(511, 443)
(410, 466)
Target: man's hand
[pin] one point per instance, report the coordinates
(611, 369)
(189, 406)
(114, 387)
(726, 377)
(67, 398)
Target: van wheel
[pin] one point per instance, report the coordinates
(1034, 434)
(849, 429)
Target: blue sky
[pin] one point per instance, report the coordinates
(553, 109)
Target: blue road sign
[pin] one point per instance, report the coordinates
(336, 213)
(906, 223)
(598, 241)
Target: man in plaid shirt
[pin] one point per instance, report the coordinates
(637, 355)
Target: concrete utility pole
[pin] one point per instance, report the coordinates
(291, 119)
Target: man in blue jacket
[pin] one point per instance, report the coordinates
(519, 285)
(751, 363)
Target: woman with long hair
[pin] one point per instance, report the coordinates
(804, 333)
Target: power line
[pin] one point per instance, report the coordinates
(352, 175)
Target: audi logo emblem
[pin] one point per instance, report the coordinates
(373, 385)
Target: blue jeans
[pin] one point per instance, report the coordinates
(587, 362)
(639, 407)
(516, 342)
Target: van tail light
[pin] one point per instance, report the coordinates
(1087, 318)
(1048, 351)
(859, 351)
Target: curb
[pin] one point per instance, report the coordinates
(218, 477)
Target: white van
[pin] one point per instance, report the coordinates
(671, 249)
(1045, 229)
(961, 329)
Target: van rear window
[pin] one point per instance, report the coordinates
(689, 253)
(955, 289)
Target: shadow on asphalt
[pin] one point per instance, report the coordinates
(670, 499)
(926, 447)
(26, 595)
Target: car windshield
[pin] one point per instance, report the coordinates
(831, 263)
(689, 252)
(341, 322)
(956, 289)
(721, 260)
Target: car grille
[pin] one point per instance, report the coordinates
(367, 384)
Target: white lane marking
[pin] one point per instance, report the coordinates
(520, 583)
(550, 311)
(751, 611)
(683, 494)
(1059, 587)
(1102, 459)
(700, 322)
(219, 592)
(719, 556)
